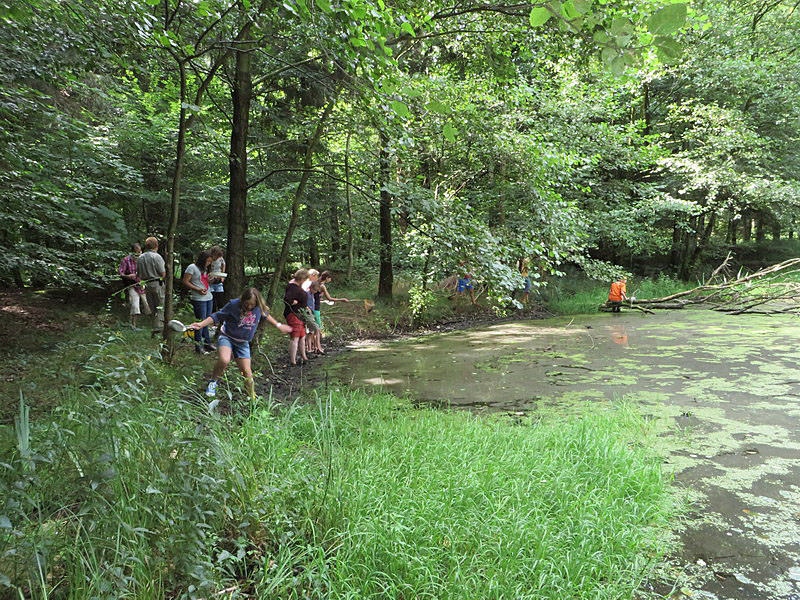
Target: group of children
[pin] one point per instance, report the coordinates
(238, 320)
(302, 303)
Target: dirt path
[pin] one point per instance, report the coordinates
(724, 390)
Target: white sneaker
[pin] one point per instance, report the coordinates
(211, 390)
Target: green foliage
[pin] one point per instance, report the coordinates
(419, 300)
(667, 19)
(553, 132)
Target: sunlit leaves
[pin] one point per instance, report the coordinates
(582, 6)
(667, 20)
(668, 49)
(539, 16)
(437, 107)
(569, 11)
(449, 132)
(400, 109)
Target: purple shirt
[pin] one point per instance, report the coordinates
(128, 267)
(237, 326)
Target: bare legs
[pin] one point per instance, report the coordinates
(223, 358)
(294, 344)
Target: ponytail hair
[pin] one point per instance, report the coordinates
(252, 293)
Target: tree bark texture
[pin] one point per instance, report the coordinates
(180, 155)
(703, 242)
(313, 228)
(336, 234)
(241, 95)
(674, 252)
(747, 227)
(761, 233)
(349, 209)
(386, 278)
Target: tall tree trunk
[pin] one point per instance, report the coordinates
(313, 227)
(426, 267)
(386, 278)
(349, 209)
(687, 248)
(646, 108)
(336, 234)
(747, 227)
(776, 230)
(311, 146)
(675, 249)
(761, 233)
(241, 95)
(180, 155)
(730, 232)
(703, 242)
(184, 124)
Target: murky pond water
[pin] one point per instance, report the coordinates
(724, 389)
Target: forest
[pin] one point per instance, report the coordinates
(392, 140)
(450, 445)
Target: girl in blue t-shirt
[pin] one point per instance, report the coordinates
(237, 323)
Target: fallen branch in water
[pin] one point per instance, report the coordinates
(765, 292)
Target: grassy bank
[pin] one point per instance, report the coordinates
(130, 487)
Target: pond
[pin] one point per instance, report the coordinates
(724, 390)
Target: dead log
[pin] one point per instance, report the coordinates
(606, 307)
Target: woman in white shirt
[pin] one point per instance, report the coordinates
(195, 278)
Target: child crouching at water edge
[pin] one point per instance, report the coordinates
(238, 321)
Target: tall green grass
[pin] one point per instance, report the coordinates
(123, 494)
(579, 295)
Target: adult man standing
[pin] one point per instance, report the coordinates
(151, 269)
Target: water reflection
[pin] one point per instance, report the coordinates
(619, 334)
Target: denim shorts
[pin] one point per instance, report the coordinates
(240, 349)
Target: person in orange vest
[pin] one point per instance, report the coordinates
(617, 294)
